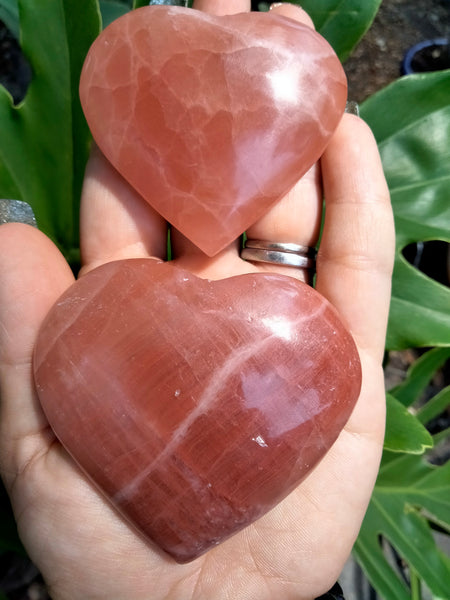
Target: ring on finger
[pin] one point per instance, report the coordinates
(279, 253)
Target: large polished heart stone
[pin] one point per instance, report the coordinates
(212, 119)
(194, 405)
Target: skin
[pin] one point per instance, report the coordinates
(82, 547)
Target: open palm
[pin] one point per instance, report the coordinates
(84, 549)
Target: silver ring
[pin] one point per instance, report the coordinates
(278, 253)
(16, 211)
(352, 108)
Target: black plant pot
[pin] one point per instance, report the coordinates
(430, 55)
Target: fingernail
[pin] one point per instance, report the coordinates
(352, 108)
(276, 5)
(16, 211)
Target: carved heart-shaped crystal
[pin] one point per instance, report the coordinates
(194, 405)
(212, 119)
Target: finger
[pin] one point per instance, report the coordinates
(292, 12)
(116, 222)
(297, 217)
(33, 275)
(222, 7)
(355, 259)
(193, 257)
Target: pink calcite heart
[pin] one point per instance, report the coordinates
(196, 406)
(212, 119)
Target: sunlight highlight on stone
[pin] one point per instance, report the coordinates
(285, 86)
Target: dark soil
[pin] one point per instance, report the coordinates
(399, 25)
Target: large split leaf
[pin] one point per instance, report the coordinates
(419, 376)
(45, 141)
(409, 491)
(410, 494)
(413, 142)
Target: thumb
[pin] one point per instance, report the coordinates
(33, 274)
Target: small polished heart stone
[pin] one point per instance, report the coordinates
(212, 119)
(196, 406)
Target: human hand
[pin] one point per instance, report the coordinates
(82, 546)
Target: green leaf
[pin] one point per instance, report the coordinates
(434, 407)
(419, 375)
(112, 10)
(429, 91)
(416, 156)
(419, 314)
(442, 436)
(342, 22)
(404, 432)
(9, 14)
(45, 141)
(409, 492)
(80, 33)
(8, 188)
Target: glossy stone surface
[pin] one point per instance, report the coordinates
(212, 119)
(195, 406)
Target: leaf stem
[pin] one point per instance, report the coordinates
(416, 585)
